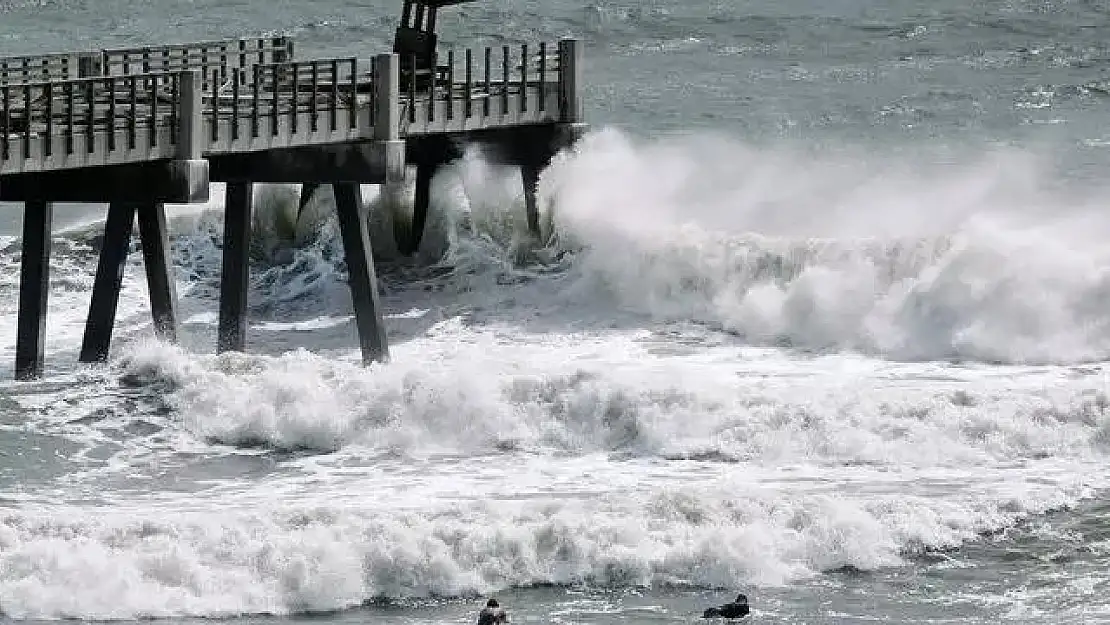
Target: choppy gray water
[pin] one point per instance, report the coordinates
(825, 321)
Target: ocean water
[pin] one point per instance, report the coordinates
(823, 318)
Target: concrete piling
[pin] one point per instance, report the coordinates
(360, 269)
(308, 190)
(109, 279)
(420, 204)
(34, 289)
(154, 236)
(235, 276)
(530, 175)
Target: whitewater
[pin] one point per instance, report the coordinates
(846, 355)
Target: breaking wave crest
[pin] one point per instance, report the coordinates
(974, 257)
(479, 395)
(978, 260)
(129, 564)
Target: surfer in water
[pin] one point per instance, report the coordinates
(492, 614)
(736, 609)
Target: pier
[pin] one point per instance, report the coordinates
(137, 128)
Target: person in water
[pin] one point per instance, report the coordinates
(492, 614)
(736, 609)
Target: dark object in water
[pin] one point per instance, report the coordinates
(492, 614)
(736, 609)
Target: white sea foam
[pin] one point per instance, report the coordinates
(498, 471)
(229, 558)
(491, 390)
(980, 260)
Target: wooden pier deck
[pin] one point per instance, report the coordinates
(140, 127)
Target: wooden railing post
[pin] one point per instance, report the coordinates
(89, 65)
(282, 51)
(570, 76)
(386, 112)
(190, 120)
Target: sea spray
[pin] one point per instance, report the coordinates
(788, 249)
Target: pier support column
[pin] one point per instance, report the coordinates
(155, 238)
(530, 174)
(109, 279)
(385, 120)
(34, 289)
(360, 270)
(392, 201)
(535, 158)
(409, 242)
(308, 189)
(235, 278)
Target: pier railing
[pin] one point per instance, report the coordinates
(88, 122)
(244, 105)
(492, 87)
(224, 56)
(23, 69)
(296, 103)
(217, 60)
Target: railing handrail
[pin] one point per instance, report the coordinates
(61, 66)
(100, 63)
(109, 58)
(86, 79)
(283, 39)
(72, 110)
(307, 64)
